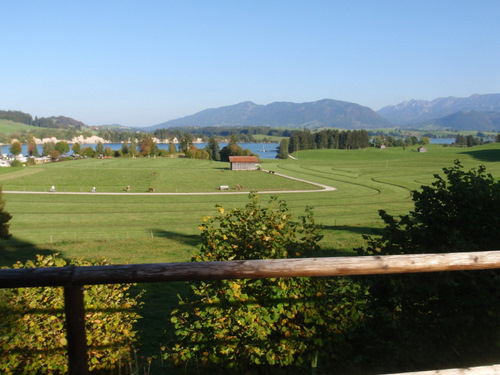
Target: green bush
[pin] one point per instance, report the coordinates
(440, 319)
(265, 323)
(32, 324)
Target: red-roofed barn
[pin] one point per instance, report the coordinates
(243, 163)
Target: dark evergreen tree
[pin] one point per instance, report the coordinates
(283, 149)
(213, 149)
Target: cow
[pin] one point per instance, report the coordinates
(239, 187)
(127, 188)
(151, 190)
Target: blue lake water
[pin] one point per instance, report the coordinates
(264, 150)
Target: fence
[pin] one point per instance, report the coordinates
(74, 278)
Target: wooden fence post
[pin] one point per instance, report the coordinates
(75, 326)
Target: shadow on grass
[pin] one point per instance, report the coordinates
(187, 239)
(13, 250)
(370, 231)
(484, 155)
(340, 229)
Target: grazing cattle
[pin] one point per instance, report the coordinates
(127, 188)
(155, 173)
(239, 187)
(151, 190)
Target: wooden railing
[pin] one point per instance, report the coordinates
(74, 278)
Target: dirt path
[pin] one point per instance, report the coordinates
(324, 188)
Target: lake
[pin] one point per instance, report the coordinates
(264, 150)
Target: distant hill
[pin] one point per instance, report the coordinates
(322, 113)
(421, 112)
(465, 120)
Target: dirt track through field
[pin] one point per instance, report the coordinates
(324, 188)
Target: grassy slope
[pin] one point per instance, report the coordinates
(120, 227)
(8, 126)
(162, 228)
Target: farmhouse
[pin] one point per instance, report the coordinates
(243, 163)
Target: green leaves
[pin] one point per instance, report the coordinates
(266, 322)
(32, 323)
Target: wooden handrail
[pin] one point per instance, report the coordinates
(248, 269)
(74, 278)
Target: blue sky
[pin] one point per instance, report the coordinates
(141, 63)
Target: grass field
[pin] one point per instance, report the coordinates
(148, 228)
(7, 126)
(158, 228)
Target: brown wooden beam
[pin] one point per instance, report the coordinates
(249, 269)
(75, 330)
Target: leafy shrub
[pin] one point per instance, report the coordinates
(16, 163)
(446, 318)
(32, 324)
(265, 323)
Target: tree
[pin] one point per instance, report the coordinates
(62, 147)
(213, 149)
(233, 149)
(461, 140)
(99, 148)
(283, 149)
(440, 312)
(133, 148)
(171, 148)
(4, 219)
(185, 141)
(32, 147)
(265, 323)
(77, 148)
(47, 148)
(148, 147)
(16, 148)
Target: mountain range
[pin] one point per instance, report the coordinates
(322, 113)
(477, 112)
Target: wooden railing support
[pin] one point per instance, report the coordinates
(75, 330)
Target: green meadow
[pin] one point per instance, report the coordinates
(143, 228)
(140, 227)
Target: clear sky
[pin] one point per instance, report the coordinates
(141, 63)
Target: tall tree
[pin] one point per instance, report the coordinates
(213, 149)
(283, 149)
(32, 147)
(171, 148)
(16, 148)
(99, 148)
(77, 148)
(185, 142)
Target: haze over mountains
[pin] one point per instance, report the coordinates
(477, 112)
